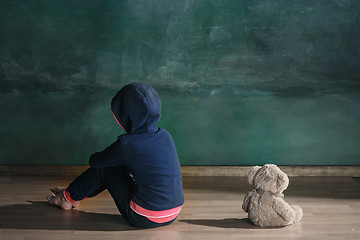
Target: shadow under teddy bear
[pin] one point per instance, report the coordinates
(243, 223)
(40, 215)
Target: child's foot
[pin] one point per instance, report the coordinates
(57, 199)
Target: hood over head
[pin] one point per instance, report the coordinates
(137, 108)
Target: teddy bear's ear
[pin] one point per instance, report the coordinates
(252, 173)
(282, 182)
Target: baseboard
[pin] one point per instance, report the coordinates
(316, 171)
(238, 171)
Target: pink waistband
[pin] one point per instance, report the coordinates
(156, 216)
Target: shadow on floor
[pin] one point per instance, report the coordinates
(223, 223)
(41, 215)
(356, 179)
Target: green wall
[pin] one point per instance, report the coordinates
(241, 82)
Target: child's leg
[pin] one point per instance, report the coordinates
(115, 179)
(120, 186)
(92, 182)
(88, 184)
(121, 193)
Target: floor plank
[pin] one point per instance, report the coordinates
(212, 211)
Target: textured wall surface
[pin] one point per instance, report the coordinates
(241, 82)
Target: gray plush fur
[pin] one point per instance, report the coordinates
(265, 204)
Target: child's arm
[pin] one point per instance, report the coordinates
(109, 157)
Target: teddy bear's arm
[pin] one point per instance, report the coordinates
(283, 209)
(245, 205)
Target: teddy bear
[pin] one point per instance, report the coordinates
(265, 204)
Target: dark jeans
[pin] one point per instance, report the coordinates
(120, 186)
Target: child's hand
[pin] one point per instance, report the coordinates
(57, 198)
(57, 190)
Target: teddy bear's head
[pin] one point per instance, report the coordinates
(268, 178)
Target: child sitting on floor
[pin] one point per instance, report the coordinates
(141, 169)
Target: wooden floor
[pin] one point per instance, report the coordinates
(212, 211)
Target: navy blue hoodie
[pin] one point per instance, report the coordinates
(147, 151)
